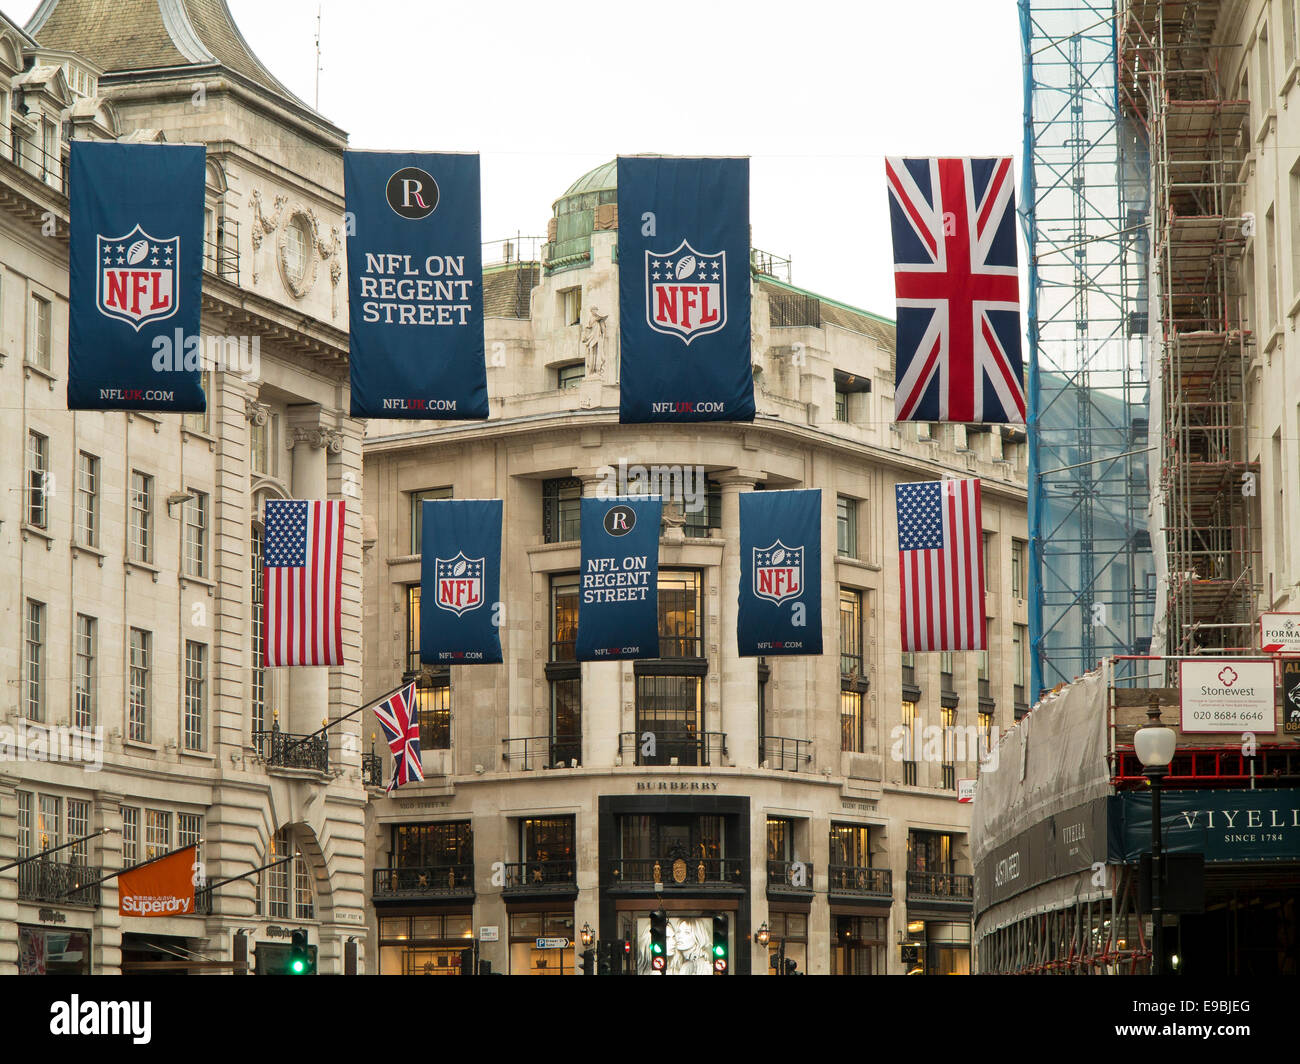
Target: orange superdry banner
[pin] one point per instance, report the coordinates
(160, 888)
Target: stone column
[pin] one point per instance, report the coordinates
(307, 698)
(738, 676)
(9, 880)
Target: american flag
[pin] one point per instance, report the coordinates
(401, 726)
(941, 565)
(958, 291)
(302, 597)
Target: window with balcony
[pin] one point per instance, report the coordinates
(669, 689)
(547, 856)
(561, 510)
(650, 844)
(846, 527)
(418, 498)
(851, 871)
(447, 844)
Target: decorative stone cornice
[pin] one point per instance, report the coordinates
(319, 437)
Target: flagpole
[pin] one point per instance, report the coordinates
(347, 716)
(122, 871)
(56, 849)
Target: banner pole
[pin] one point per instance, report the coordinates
(56, 849)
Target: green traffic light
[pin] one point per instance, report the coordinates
(299, 967)
(719, 951)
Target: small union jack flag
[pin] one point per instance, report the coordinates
(398, 718)
(956, 279)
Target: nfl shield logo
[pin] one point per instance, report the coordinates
(137, 278)
(778, 572)
(686, 292)
(460, 584)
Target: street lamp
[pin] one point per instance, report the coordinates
(586, 934)
(763, 936)
(1154, 745)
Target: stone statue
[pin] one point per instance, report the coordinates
(593, 339)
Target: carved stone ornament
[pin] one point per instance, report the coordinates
(257, 413)
(263, 224)
(329, 439)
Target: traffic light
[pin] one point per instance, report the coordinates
(588, 961)
(658, 940)
(301, 961)
(605, 958)
(791, 967)
(625, 957)
(467, 962)
(719, 944)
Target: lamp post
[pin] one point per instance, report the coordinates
(1154, 745)
(587, 934)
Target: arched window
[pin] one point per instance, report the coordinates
(286, 891)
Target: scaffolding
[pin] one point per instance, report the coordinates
(1084, 208)
(1198, 138)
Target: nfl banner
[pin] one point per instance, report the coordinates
(683, 277)
(460, 582)
(135, 277)
(958, 290)
(618, 603)
(415, 286)
(780, 573)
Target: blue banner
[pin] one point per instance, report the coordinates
(780, 573)
(460, 582)
(415, 286)
(618, 604)
(684, 292)
(135, 277)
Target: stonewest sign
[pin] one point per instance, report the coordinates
(1227, 695)
(1229, 825)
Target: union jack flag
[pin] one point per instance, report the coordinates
(401, 724)
(958, 290)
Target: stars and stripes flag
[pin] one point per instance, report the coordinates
(958, 291)
(401, 724)
(302, 553)
(941, 565)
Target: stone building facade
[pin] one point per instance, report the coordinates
(131, 541)
(789, 800)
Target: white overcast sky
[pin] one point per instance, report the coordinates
(815, 92)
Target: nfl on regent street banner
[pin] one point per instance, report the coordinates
(780, 573)
(460, 582)
(683, 280)
(618, 602)
(135, 276)
(415, 286)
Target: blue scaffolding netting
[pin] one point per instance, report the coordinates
(1084, 206)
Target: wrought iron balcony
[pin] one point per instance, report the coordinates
(943, 887)
(59, 883)
(542, 751)
(541, 877)
(689, 748)
(372, 770)
(700, 873)
(442, 881)
(858, 881)
(280, 749)
(790, 877)
(785, 754)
